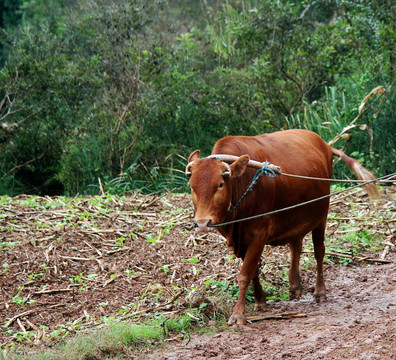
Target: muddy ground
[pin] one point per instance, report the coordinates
(358, 321)
(73, 264)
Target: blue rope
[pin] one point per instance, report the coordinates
(264, 171)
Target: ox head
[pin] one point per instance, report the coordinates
(211, 187)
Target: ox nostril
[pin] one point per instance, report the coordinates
(202, 225)
(201, 222)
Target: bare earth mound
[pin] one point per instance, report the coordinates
(68, 265)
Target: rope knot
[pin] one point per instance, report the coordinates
(265, 170)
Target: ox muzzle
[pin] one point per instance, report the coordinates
(203, 225)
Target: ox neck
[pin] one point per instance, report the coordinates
(265, 170)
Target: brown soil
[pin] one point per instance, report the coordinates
(70, 264)
(358, 321)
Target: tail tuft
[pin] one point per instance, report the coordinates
(361, 173)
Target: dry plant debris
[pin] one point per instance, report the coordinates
(68, 264)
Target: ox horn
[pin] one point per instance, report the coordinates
(227, 172)
(188, 170)
(252, 163)
(193, 156)
(230, 159)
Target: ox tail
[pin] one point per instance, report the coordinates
(361, 173)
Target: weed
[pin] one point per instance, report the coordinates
(165, 268)
(276, 293)
(23, 336)
(79, 279)
(5, 267)
(113, 338)
(120, 241)
(194, 260)
(357, 241)
(129, 272)
(17, 299)
(150, 238)
(76, 278)
(232, 290)
(35, 276)
(8, 245)
(58, 333)
(44, 266)
(92, 276)
(178, 324)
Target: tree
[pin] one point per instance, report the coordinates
(79, 111)
(110, 88)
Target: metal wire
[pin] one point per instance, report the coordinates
(303, 203)
(333, 180)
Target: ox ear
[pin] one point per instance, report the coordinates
(194, 156)
(239, 166)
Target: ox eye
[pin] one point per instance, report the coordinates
(221, 185)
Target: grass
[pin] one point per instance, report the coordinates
(112, 341)
(151, 180)
(343, 127)
(323, 118)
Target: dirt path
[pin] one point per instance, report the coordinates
(357, 322)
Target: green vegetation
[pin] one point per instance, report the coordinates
(115, 340)
(111, 96)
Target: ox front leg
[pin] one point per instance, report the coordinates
(248, 271)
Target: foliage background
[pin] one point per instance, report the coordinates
(117, 93)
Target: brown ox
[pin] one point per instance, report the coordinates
(217, 186)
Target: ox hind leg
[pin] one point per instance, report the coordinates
(259, 294)
(318, 237)
(295, 287)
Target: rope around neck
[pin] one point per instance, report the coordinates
(265, 170)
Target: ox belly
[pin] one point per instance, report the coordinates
(295, 224)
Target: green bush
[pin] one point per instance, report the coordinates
(110, 89)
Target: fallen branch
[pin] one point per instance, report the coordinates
(280, 316)
(331, 253)
(110, 280)
(25, 313)
(362, 258)
(75, 258)
(382, 261)
(51, 291)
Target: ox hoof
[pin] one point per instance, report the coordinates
(237, 320)
(320, 297)
(295, 293)
(260, 306)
